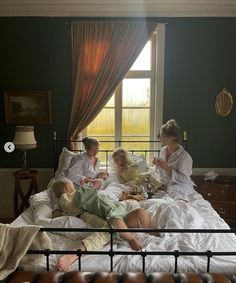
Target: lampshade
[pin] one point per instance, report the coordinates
(24, 138)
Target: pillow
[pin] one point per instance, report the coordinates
(64, 160)
(140, 161)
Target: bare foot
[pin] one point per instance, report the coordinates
(64, 263)
(135, 244)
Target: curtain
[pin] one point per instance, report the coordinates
(102, 54)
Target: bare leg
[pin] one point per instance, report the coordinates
(139, 218)
(64, 262)
(135, 245)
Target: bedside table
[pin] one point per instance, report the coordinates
(21, 199)
(221, 193)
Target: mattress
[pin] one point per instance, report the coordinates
(165, 213)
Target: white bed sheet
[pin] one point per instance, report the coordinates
(165, 213)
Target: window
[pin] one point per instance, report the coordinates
(130, 115)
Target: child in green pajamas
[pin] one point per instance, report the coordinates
(86, 199)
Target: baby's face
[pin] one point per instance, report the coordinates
(102, 175)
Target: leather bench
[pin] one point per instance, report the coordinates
(129, 277)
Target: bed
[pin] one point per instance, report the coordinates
(193, 238)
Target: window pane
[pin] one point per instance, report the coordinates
(110, 146)
(106, 143)
(135, 122)
(136, 92)
(137, 147)
(111, 102)
(103, 124)
(143, 62)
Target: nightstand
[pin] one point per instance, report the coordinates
(221, 193)
(21, 195)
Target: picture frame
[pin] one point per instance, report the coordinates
(28, 107)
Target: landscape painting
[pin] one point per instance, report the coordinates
(28, 107)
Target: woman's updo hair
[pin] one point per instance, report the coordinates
(171, 129)
(89, 142)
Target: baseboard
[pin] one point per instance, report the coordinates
(219, 171)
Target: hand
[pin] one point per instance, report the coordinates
(155, 161)
(163, 164)
(97, 183)
(158, 161)
(82, 182)
(87, 180)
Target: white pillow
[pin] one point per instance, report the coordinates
(140, 161)
(64, 160)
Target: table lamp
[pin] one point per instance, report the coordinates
(24, 140)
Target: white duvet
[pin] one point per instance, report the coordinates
(165, 213)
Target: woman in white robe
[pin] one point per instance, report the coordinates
(86, 166)
(174, 164)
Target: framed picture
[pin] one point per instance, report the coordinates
(28, 107)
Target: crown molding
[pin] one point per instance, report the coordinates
(118, 8)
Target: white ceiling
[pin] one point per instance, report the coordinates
(118, 8)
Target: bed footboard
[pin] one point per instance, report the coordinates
(112, 277)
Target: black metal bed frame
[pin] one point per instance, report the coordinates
(111, 253)
(118, 143)
(143, 253)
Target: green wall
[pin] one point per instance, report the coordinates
(200, 61)
(35, 53)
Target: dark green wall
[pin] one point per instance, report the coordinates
(200, 61)
(35, 53)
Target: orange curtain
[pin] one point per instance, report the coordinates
(102, 54)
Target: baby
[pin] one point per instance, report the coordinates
(103, 175)
(86, 198)
(105, 179)
(100, 182)
(127, 171)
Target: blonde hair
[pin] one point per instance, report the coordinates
(58, 186)
(171, 129)
(89, 142)
(121, 153)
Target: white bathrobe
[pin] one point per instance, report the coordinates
(179, 184)
(80, 168)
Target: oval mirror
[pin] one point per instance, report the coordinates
(224, 103)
